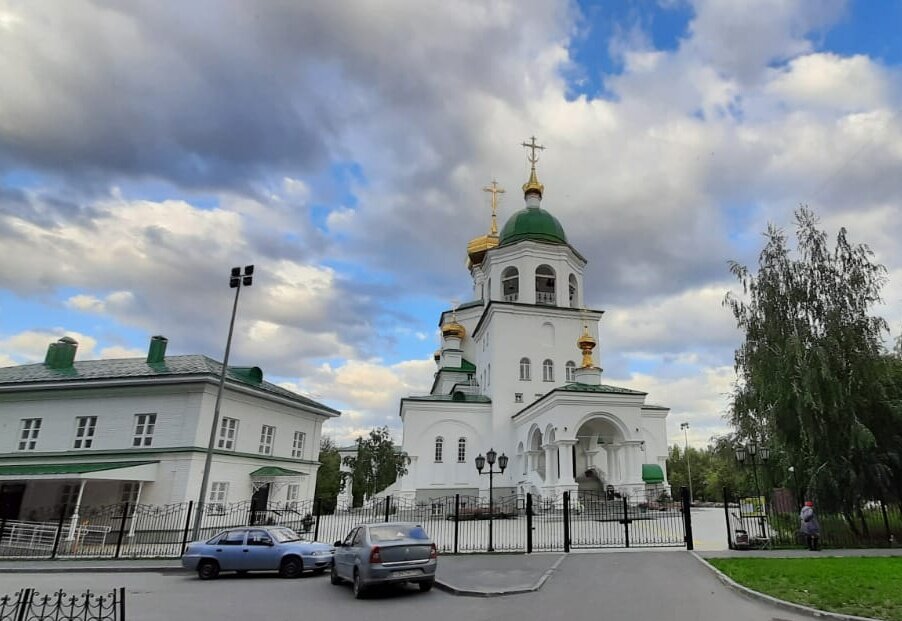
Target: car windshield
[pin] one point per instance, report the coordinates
(396, 532)
(284, 535)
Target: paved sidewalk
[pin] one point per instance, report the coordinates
(478, 575)
(799, 553)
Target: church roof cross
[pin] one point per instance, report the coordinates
(494, 189)
(532, 146)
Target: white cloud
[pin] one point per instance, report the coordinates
(31, 346)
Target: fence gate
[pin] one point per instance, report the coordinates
(602, 520)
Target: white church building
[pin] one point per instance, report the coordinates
(516, 373)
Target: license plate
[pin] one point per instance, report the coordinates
(407, 573)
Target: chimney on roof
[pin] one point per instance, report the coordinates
(61, 355)
(156, 353)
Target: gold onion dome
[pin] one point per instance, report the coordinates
(586, 344)
(478, 246)
(533, 184)
(453, 329)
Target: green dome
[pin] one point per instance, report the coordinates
(533, 223)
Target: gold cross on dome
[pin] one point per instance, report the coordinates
(531, 145)
(494, 190)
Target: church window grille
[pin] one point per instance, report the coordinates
(545, 286)
(548, 371)
(439, 445)
(462, 450)
(574, 298)
(570, 370)
(510, 284)
(518, 397)
(524, 369)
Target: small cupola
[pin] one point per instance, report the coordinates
(587, 373)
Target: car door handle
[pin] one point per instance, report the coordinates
(246, 550)
(219, 549)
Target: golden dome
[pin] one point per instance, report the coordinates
(478, 246)
(453, 329)
(586, 344)
(533, 184)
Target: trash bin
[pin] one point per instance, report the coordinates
(741, 539)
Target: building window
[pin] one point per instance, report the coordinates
(570, 370)
(439, 445)
(297, 445)
(293, 493)
(539, 396)
(548, 371)
(266, 435)
(128, 492)
(518, 397)
(574, 297)
(28, 435)
(228, 434)
(510, 284)
(219, 493)
(84, 431)
(461, 450)
(144, 426)
(524, 369)
(69, 495)
(545, 286)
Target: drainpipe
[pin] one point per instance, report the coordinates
(73, 524)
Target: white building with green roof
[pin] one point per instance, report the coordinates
(98, 432)
(515, 372)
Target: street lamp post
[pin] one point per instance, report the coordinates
(236, 281)
(490, 457)
(753, 455)
(685, 428)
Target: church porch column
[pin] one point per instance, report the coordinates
(550, 464)
(565, 450)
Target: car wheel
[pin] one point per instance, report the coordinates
(208, 570)
(291, 567)
(359, 588)
(426, 586)
(334, 578)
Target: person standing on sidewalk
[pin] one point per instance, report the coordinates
(810, 526)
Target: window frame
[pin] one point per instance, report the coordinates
(145, 426)
(218, 496)
(461, 450)
(439, 449)
(267, 439)
(225, 441)
(525, 369)
(29, 431)
(570, 371)
(548, 370)
(297, 448)
(85, 428)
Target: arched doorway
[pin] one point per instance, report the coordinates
(598, 455)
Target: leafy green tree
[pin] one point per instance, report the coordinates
(377, 465)
(812, 378)
(328, 477)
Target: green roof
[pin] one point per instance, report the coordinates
(464, 398)
(652, 473)
(532, 223)
(576, 387)
(465, 367)
(38, 469)
(171, 367)
(275, 471)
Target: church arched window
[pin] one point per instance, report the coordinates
(548, 371)
(545, 286)
(439, 445)
(510, 284)
(570, 370)
(461, 450)
(574, 298)
(524, 369)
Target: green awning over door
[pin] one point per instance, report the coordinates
(652, 473)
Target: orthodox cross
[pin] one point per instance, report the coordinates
(494, 190)
(531, 145)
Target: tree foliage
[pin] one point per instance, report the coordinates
(713, 468)
(377, 464)
(813, 377)
(328, 478)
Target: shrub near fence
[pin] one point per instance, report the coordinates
(866, 524)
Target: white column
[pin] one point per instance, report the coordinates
(550, 464)
(74, 519)
(134, 509)
(565, 450)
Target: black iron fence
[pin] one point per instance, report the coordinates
(31, 605)
(457, 524)
(773, 520)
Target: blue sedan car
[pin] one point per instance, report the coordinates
(270, 548)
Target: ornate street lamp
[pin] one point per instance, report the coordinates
(753, 454)
(490, 457)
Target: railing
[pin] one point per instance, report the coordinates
(511, 297)
(546, 298)
(30, 605)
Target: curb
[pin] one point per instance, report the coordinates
(774, 601)
(453, 590)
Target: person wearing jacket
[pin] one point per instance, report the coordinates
(810, 526)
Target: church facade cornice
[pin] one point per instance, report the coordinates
(560, 312)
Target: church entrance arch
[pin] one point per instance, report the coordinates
(597, 454)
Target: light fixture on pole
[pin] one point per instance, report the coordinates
(236, 281)
(755, 454)
(481, 461)
(685, 428)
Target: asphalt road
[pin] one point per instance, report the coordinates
(640, 586)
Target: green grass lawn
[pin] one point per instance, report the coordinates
(867, 587)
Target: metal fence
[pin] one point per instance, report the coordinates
(773, 521)
(457, 524)
(30, 605)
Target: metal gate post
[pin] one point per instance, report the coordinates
(121, 529)
(626, 522)
(456, 520)
(187, 526)
(24, 604)
(528, 523)
(726, 516)
(687, 517)
(317, 510)
(387, 506)
(566, 521)
(121, 604)
(59, 532)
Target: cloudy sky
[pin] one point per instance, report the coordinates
(146, 147)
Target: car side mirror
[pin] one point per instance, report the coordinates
(338, 544)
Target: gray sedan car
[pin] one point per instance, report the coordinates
(387, 553)
(269, 548)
